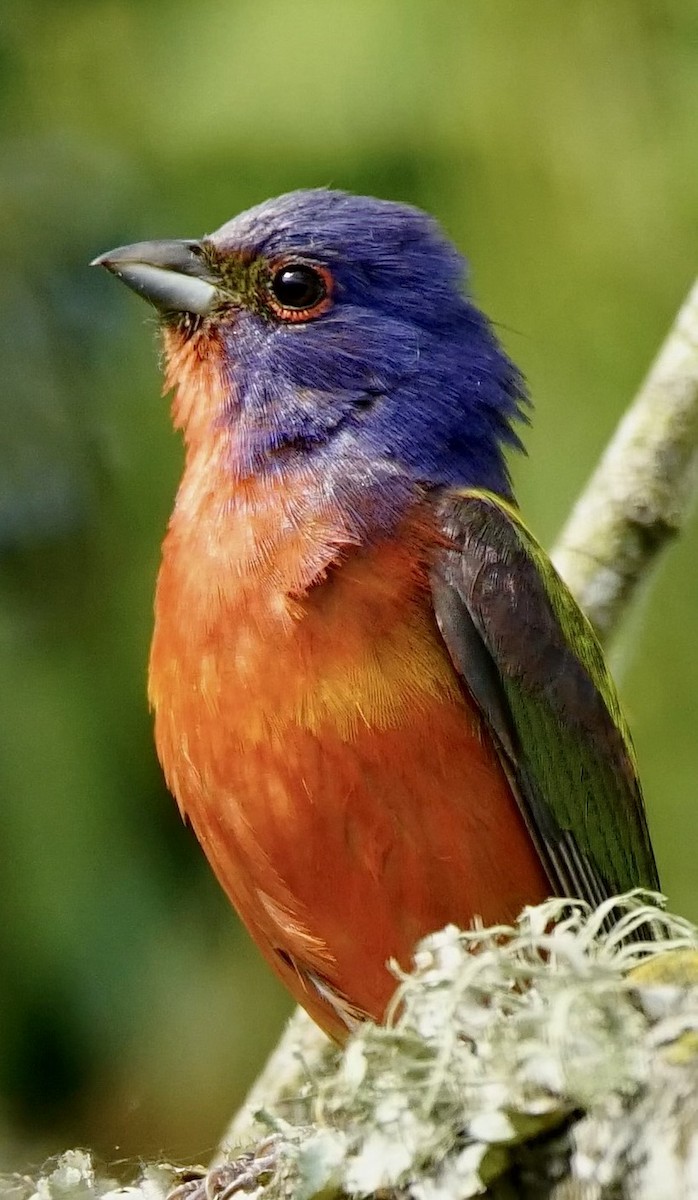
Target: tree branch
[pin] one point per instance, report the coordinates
(548, 1064)
(642, 492)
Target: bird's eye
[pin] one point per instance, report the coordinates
(298, 286)
(299, 291)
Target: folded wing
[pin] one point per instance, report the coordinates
(530, 659)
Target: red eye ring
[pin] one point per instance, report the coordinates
(300, 290)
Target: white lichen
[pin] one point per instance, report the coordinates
(544, 1044)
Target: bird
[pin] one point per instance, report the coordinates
(375, 701)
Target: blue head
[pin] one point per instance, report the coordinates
(346, 337)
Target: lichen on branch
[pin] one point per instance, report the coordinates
(548, 1055)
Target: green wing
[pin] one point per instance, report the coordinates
(532, 662)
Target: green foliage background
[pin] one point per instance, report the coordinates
(558, 143)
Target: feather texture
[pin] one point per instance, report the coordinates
(345, 788)
(534, 664)
(374, 699)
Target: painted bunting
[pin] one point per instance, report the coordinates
(375, 700)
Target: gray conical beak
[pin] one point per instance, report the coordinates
(172, 275)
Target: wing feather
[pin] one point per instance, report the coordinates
(531, 660)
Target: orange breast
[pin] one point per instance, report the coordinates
(344, 790)
(313, 730)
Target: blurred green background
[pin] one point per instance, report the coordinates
(558, 143)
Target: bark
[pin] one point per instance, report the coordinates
(644, 488)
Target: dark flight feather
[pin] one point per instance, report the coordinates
(531, 660)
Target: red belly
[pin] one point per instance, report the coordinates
(340, 855)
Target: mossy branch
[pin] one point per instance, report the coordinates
(548, 1064)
